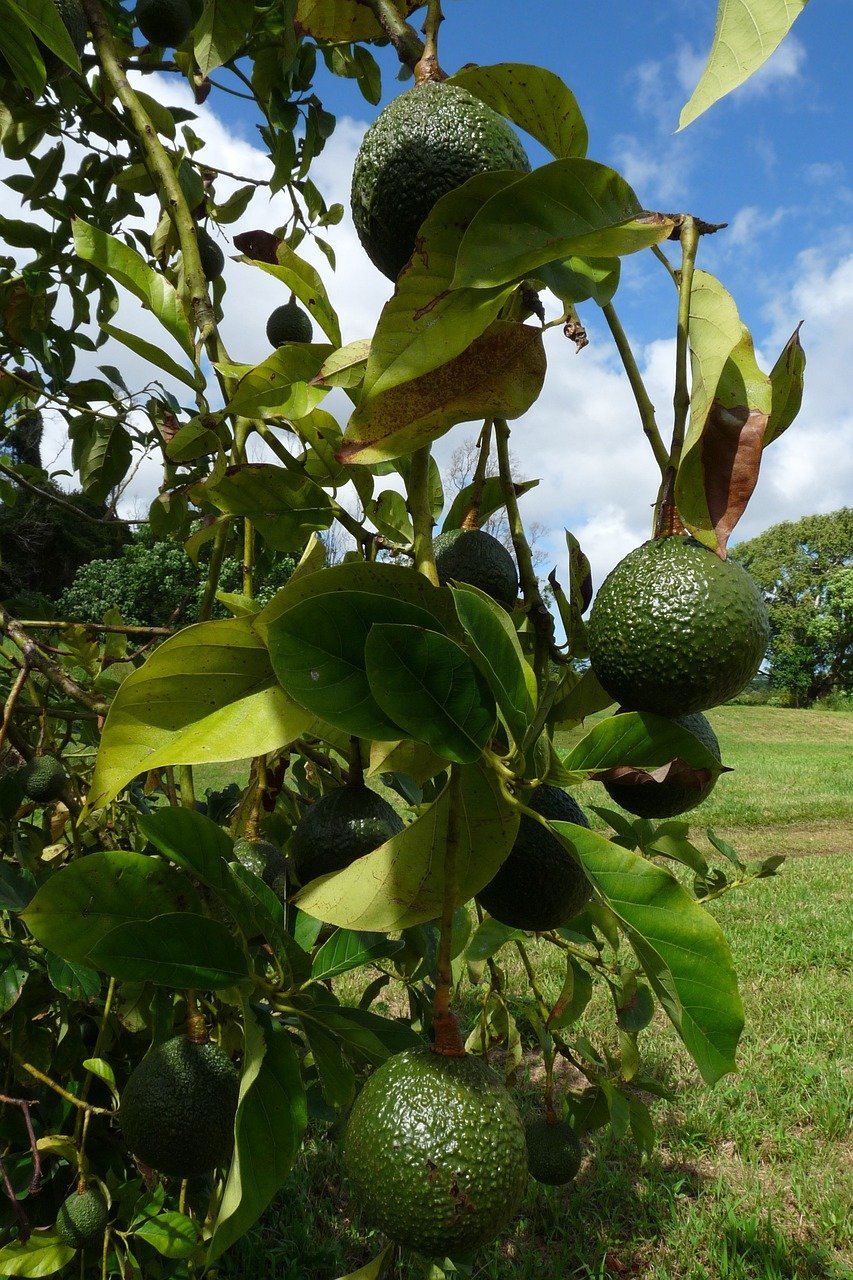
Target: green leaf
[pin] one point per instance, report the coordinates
(317, 649)
(786, 380)
(368, 577)
(431, 689)
(101, 451)
(337, 1076)
(21, 51)
(488, 938)
(491, 500)
(347, 950)
(574, 996)
(339, 21)
(566, 208)
(271, 1117)
(207, 694)
(646, 741)
(194, 841)
(498, 655)
(679, 945)
(178, 950)
(43, 1255)
(578, 279)
(303, 280)
(101, 1068)
(129, 269)
(535, 99)
(425, 323)
(745, 35)
(86, 899)
(373, 1270)
(285, 507)
(153, 354)
(77, 981)
(402, 882)
(43, 19)
(366, 1035)
(499, 375)
(281, 385)
(220, 32)
(172, 1234)
(14, 972)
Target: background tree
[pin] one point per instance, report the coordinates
(805, 569)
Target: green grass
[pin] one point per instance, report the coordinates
(751, 1179)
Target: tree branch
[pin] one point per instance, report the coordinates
(34, 658)
(407, 42)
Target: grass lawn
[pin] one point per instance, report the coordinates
(751, 1180)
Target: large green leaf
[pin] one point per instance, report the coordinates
(43, 1255)
(499, 375)
(208, 694)
(746, 33)
(153, 354)
(282, 385)
(21, 52)
(272, 1114)
(640, 739)
(86, 899)
(340, 21)
(180, 950)
(346, 950)
(285, 507)
(402, 882)
(680, 946)
(303, 280)
(430, 688)
(43, 19)
(101, 450)
(491, 499)
(374, 579)
(566, 208)
(425, 323)
(317, 649)
(128, 268)
(220, 31)
(730, 405)
(535, 99)
(498, 654)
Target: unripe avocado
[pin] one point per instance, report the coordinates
(212, 257)
(553, 1151)
(474, 556)
(289, 323)
(674, 629)
(676, 794)
(83, 1217)
(73, 16)
(428, 141)
(435, 1152)
(341, 826)
(539, 885)
(165, 23)
(264, 860)
(178, 1107)
(44, 779)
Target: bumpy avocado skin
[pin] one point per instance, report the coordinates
(675, 795)
(539, 885)
(425, 143)
(553, 1152)
(177, 1109)
(475, 557)
(44, 779)
(265, 860)
(165, 23)
(82, 1218)
(211, 255)
(435, 1152)
(341, 826)
(289, 323)
(674, 629)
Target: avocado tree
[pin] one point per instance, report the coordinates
(155, 942)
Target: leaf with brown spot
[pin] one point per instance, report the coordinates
(344, 20)
(786, 379)
(262, 246)
(499, 375)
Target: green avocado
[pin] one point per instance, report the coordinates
(265, 860)
(341, 826)
(428, 141)
(553, 1151)
(677, 794)
(212, 257)
(164, 23)
(177, 1109)
(539, 885)
(674, 629)
(44, 779)
(289, 323)
(83, 1217)
(475, 557)
(435, 1152)
(76, 24)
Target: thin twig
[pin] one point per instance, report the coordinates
(15, 693)
(62, 502)
(641, 395)
(36, 659)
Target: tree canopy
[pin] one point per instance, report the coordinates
(805, 569)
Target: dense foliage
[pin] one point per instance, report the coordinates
(133, 917)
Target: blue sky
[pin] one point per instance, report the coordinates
(774, 160)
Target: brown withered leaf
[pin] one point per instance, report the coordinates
(673, 770)
(731, 456)
(260, 245)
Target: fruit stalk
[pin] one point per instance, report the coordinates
(641, 395)
(407, 42)
(427, 67)
(471, 518)
(448, 1039)
(420, 509)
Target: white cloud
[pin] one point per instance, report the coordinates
(784, 65)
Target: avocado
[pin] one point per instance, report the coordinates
(165, 23)
(289, 323)
(435, 1152)
(177, 1109)
(212, 257)
(428, 141)
(680, 792)
(341, 826)
(539, 885)
(674, 629)
(83, 1217)
(44, 779)
(553, 1151)
(475, 557)
(265, 860)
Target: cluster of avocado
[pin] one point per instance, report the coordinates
(675, 630)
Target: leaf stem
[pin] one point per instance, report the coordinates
(641, 395)
(420, 509)
(681, 398)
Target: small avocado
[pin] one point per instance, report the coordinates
(475, 557)
(341, 826)
(44, 779)
(83, 1217)
(289, 323)
(164, 23)
(553, 1151)
(212, 257)
(265, 860)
